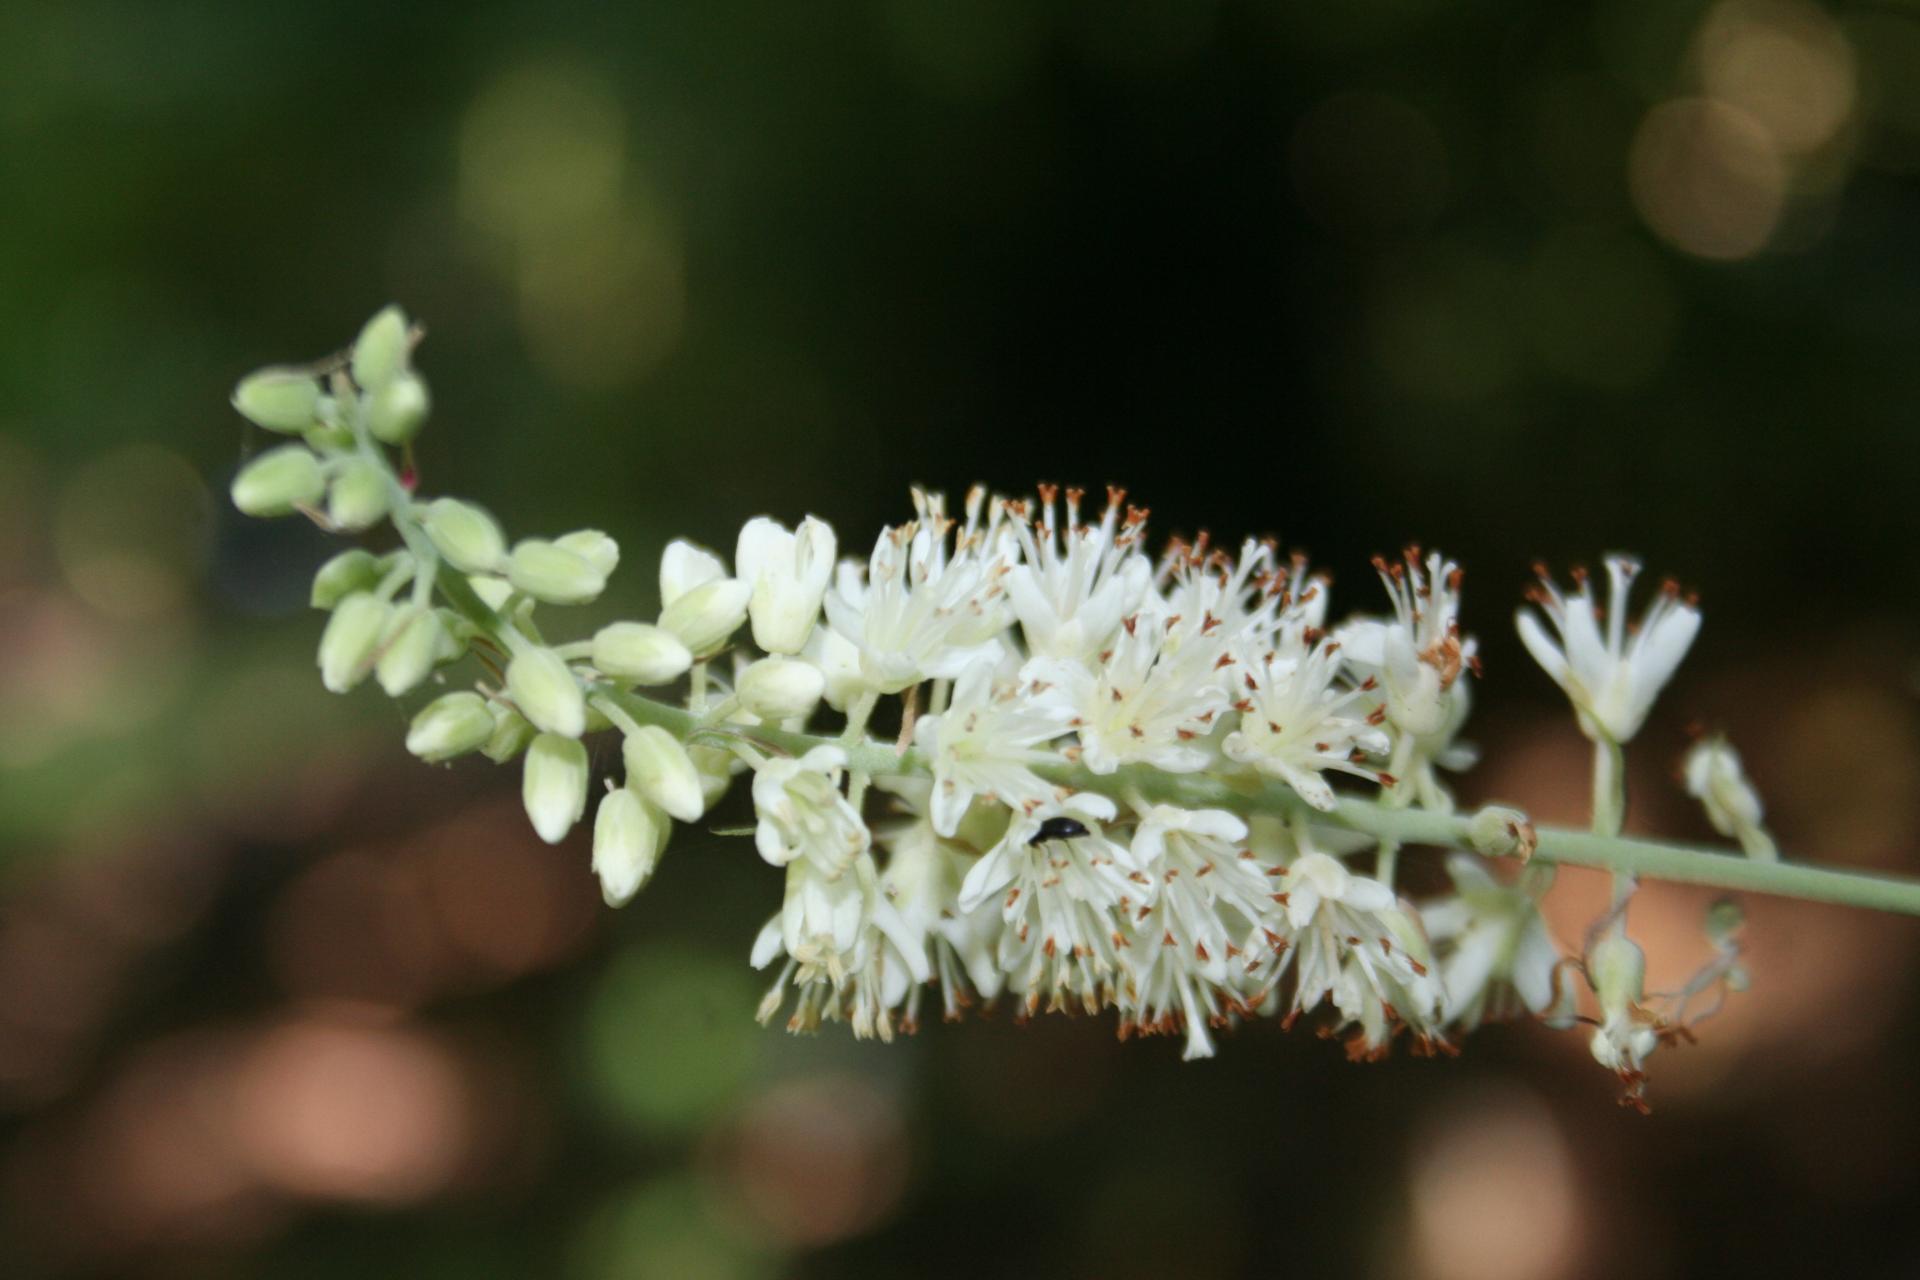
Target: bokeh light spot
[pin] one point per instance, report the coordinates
(667, 1227)
(1784, 63)
(356, 1113)
(819, 1160)
(130, 530)
(1494, 1192)
(1707, 178)
(669, 1037)
(542, 150)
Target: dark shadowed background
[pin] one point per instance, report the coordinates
(1519, 280)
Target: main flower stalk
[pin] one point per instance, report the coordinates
(1116, 784)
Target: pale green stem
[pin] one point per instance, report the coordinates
(855, 733)
(1609, 817)
(1609, 787)
(1664, 860)
(1386, 861)
(1686, 864)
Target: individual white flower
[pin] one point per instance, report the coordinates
(629, 835)
(922, 882)
(1347, 940)
(1063, 888)
(802, 813)
(1628, 1031)
(1713, 776)
(1418, 658)
(788, 571)
(1146, 701)
(684, 567)
(1076, 582)
(640, 652)
(779, 689)
(985, 741)
(1296, 723)
(699, 603)
(1213, 895)
(543, 687)
(1611, 672)
(1420, 653)
(921, 613)
(553, 785)
(848, 956)
(1497, 959)
(659, 768)
(838, 659)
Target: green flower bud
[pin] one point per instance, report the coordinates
(1497, 832)
(707, 615)
(380, 352)
(451, 725)
(543, 687)
(658, 768)
(412, 649)
(465, 535)
(1725, 919)
(329, 439)
(279, 399)
(595, 547)
(278, 481)
(553, 574)
(781, 688)
(397, 411)
(359, 495)
(640, 652)
(511, 734)
(553, 785)
(1619, 971)
(352, 636)
(629, 834)
(350, 571)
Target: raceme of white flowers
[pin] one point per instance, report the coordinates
(1037, 688)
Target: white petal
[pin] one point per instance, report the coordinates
(683, 567)
(1544, 650)
(986, 877)
(764, 545)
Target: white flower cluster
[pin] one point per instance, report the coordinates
(1045, 817)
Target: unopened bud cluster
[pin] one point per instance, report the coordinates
(1041, 688)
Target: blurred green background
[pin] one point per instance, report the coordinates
(1518, 280)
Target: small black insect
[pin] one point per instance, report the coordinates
(1058, 829)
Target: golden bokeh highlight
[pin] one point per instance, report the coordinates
(1708, 178)
(1494, 1192)
(1719, 172)
(1785, 64)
